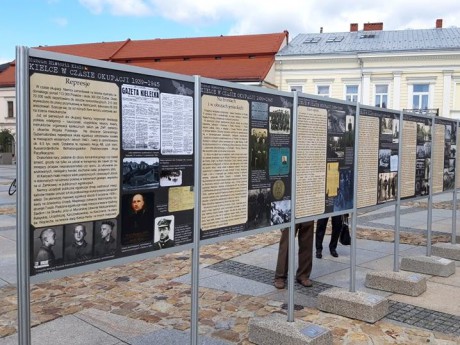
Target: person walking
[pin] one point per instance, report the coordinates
(304, 232)
(321, 224)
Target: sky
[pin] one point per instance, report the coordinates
(34, 23)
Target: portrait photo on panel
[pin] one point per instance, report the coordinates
(259, 207)
(170, 178)
(105, 237)
(137, 218)
(48, 247)
(259, 148)
(386, 126)
(395, 131)
(78, 241)
(164, 233)
(140, 173)
(448, 133)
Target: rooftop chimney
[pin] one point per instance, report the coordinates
(438, 23)
(353, 27)
(373, 26)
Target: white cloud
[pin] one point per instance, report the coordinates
(296, 16)
(118, 7)
(61, 21)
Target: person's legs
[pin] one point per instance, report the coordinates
(320, 231)
(305, 238)
(282, 262)
(336, 228)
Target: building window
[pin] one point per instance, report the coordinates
(297, 88)
(420, 96)
(381, 96)
(323, 90)
(351, 93)
(10, 109)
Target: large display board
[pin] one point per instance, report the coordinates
(246, 159)
(378, 154)
(325, 156)
(416, 156)
(445, 138)
(112, 162)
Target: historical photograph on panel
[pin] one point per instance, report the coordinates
(105, 238)
(448, 179)
(170, 178)
(137, 218)
(422, 176)
(344, 198)
(335, 147)
(259, 207)
(386, 126)
(259, 111)
(280, 120)
(164, 233)
(395, 131)
(349, 136)
(336, 121)
(384, 159)
(140, 173)
(387, 186)
(280, 212)
(448, 132)
(259, 149)
(452, 151)
(423, 132)
(279, 160)
(78, 240)
(424, 150)
(48, 247)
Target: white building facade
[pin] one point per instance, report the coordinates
(415, 70)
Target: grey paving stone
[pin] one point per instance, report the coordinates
(65, 330)
(123, 328)
(173, 337)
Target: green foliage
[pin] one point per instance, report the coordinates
(6, 140)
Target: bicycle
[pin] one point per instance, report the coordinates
(12, 188)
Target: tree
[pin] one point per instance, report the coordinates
(6, 140)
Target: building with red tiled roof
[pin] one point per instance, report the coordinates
(247, 59)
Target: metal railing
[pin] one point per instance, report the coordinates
(433, 111)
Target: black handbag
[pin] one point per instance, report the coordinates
(345, 238)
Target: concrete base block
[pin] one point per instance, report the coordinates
(275, 330)
(355, 305)
(446, 250)
(404, 283)
(432, 265)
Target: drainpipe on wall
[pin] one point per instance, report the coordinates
(361, 69)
